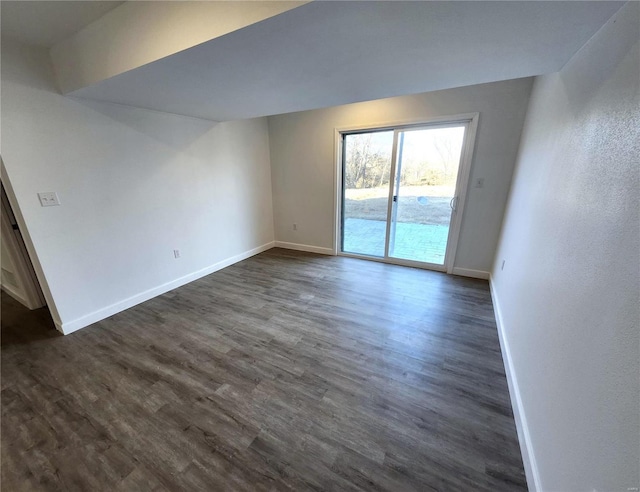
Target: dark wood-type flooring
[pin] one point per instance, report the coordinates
(287, 371)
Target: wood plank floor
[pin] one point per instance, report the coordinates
(287, 371)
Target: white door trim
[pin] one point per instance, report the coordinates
(33, 256)
(27, 291)
(391, 208)
(462, 184)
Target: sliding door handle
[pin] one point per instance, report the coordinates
(454, 203)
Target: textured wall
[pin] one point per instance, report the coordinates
(569, 291)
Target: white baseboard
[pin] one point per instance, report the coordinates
(304, 247)
(71, 326)
(466, 272)
(526, 448)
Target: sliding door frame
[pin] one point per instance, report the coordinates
(470, 120)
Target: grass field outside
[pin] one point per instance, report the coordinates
(416, 204)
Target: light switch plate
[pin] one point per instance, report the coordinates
(49, 199)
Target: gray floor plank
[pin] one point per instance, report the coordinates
(287, 371)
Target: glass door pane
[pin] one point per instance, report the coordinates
(427, 162)
(365, 193)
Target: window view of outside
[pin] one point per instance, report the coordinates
(367, 169)
(427, 170)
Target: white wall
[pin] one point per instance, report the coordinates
(134, 185)
(568, 295)
(303, 161)
(136, 33)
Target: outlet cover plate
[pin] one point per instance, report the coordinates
(49, 199)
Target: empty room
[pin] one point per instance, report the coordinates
(320, 245)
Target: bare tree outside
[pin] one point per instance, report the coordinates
(429, 168)
(368, 160)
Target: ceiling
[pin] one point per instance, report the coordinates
(328, 53)
(47, 23)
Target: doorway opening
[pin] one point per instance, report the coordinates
(402, 191)
(18, 277)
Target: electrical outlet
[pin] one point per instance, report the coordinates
(295, 227)
(49, 199)
(503, 262)
(176, 253)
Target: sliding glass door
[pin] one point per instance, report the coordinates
(399, 192)
(366, 174)
(427, 163)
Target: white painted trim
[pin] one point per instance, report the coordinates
(58, 325)
(337, 190)
(462, 184)
(31, 249)
(433, 267)
(467, 272)
(71, 326)
(304, 247)
(394, 124)
(26, 291)
(392, 191)
(526, 447)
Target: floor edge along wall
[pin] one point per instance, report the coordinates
(526, 447)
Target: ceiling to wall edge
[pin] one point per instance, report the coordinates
(81, 99)
(111, 45)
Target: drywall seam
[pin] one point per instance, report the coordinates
(467, 272)
(304, 247)
(82, 322)
(524, 438)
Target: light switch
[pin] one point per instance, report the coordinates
(49, 199)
